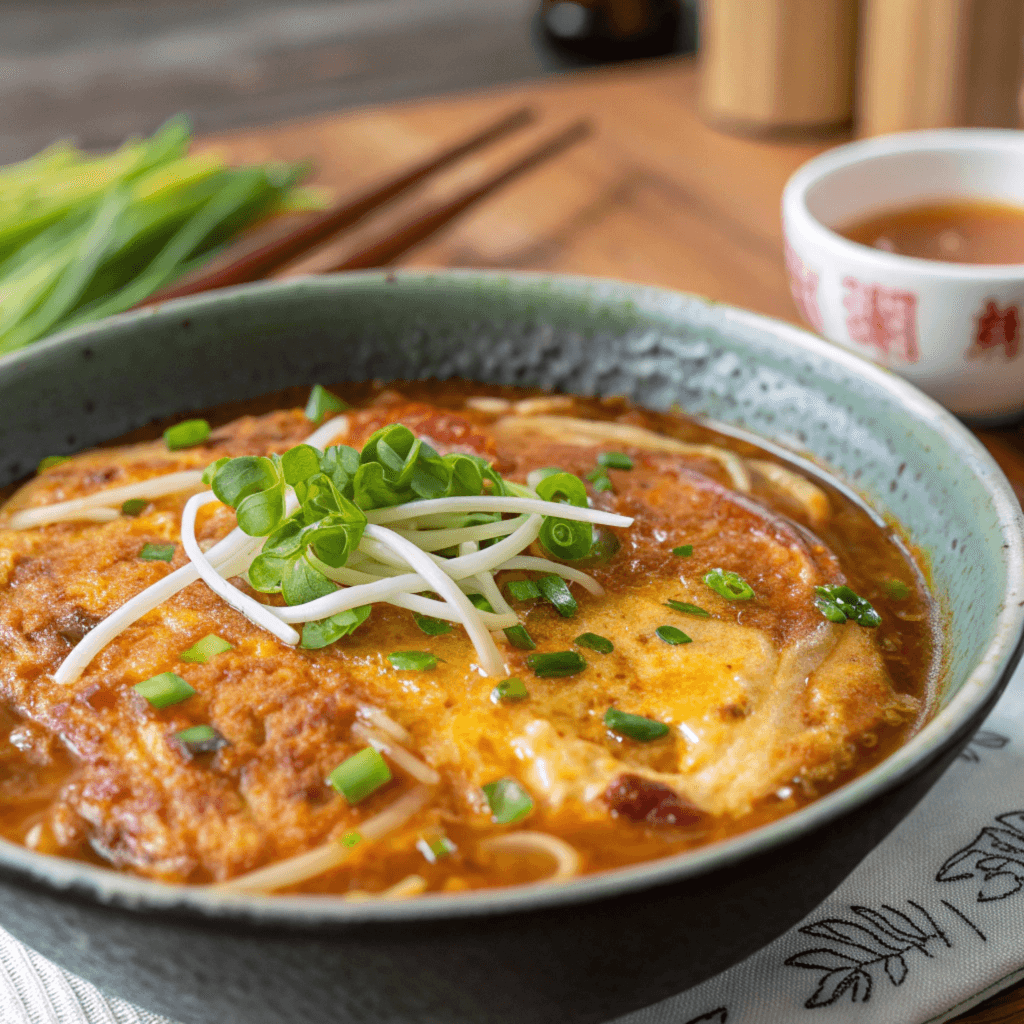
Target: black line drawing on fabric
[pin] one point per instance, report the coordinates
(719, 1016)
(983, 739)
(996, 856)
(863, 946)
(966, 920)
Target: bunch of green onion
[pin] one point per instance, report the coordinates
(82, 237)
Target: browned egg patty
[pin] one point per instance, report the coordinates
(767, 689)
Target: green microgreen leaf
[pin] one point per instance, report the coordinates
(157, 552)
(164, 689)
(518, 637)
(300, 463)
(595, 642)
(729, 585)
(203, 650)
(301, 582)
(840, 603)
(321, 402)
(636, 727)
(324, 632)
(233, 480)
(413, 661)
(186, 434)
(671, 635)
(200, 739)
(599, 480)
(684, 550)
(360, 775)
(435, 848)
(213, 468)
(554, 589)
(555, 664)
(523, 590)
(133, 506)
(897, 590)
(510, 690)
(615, 460)
(508, 801)
(50, 461)
(688, 609)
(431, 626)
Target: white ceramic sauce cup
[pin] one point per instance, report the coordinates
(953, 329)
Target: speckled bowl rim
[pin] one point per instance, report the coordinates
(981, 686)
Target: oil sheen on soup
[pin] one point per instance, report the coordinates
(436, 637)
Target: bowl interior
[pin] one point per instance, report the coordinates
(910, 459)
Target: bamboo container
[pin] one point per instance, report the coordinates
(939, 64)
(778, 64)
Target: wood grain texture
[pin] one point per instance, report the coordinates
(654, 196)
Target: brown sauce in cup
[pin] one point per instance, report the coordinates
(963, 231)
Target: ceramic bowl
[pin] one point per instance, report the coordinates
(596, 947)
(954, 329)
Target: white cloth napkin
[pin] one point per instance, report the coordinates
(929, 925)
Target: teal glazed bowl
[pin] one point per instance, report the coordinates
(598, 946)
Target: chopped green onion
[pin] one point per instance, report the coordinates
(595, 642)
(133, 506)
(157, 552)
(350, 839)
(684, 550)
(523, 590)
(201, 739)
(431, 626)
(508, 690)
(186, 434)
(671, 635)
(729, 585)
(599, 479)
(839, 603)
(636, 727)
(518, 637)
(435, 849)
(203, 650)
(163, 690)
(556, 663)
(897, 590)
(360, 775)
(480, 602)
(321, 402)
(507, 800)
(615, 460)
(413, 661)
(688, 609)
(554, 589)
(324, 632)
(51, 460)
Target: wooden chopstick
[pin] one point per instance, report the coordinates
(409, 234)
(262, 261)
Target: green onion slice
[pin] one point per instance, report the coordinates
(133, 506)
(523, 590)
(615, 460)
(157, 552)
(360, 775)
(673, 636)
(897, 590)
(431, 626)
(554, 589)
(321, 402)
(595, 642)
(323, 633)
(507, 800)
(201, 739)
(203, 650)
(636, 727)
(684, 550)
(186, 434)
(729, 585)
(163, 690)
(435, 848)
(350, 839)
(688, 609)
(599, 479)
(413, 661)
(555, 664)
(51, 460)
(518, 637)
(510, 690)
(840, 603)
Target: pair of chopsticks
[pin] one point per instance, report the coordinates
(378, 252)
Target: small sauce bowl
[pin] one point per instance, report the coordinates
(953, 329)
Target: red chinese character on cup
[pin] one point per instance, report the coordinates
(996, 327)
(803, 283)
(882, 318)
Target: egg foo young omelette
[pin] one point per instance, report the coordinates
(437, 637)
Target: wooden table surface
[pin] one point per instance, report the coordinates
(654, 196)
